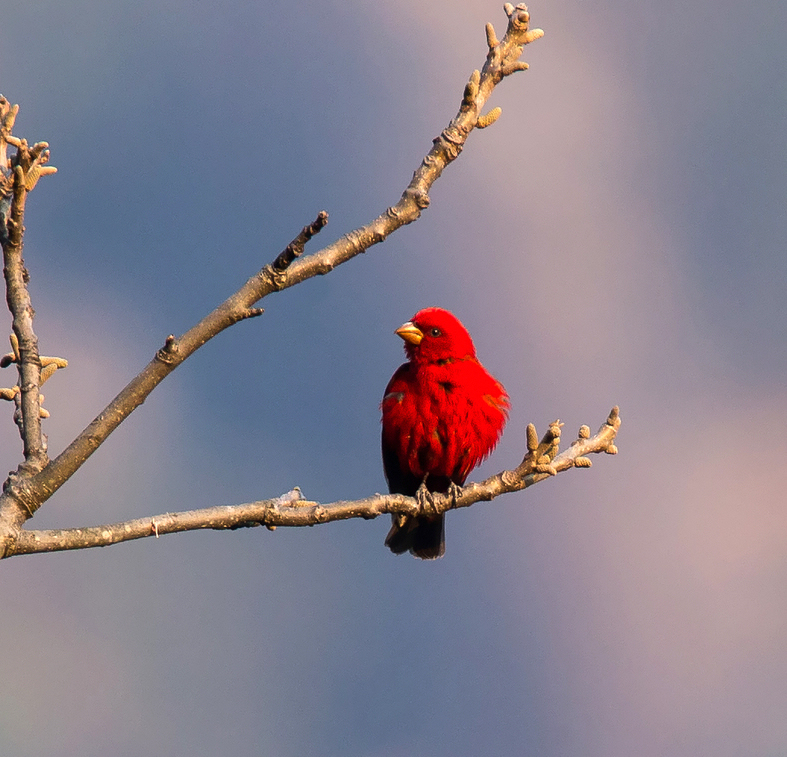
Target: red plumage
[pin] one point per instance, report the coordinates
(443, 413)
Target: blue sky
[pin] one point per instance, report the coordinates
(616, 238)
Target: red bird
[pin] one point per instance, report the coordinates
(443, 413)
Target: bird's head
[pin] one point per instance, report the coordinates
(434, 335)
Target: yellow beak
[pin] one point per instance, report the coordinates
(410, 333)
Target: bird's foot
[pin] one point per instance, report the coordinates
(425, 499)
(454, 492)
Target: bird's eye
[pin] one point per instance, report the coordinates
(435, 332)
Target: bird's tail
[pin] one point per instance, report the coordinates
(422, 537)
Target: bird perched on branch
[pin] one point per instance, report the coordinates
(443, 413)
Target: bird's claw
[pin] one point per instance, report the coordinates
(454, 492)
(425, 499)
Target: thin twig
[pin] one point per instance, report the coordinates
(295, 248)
(19, 175)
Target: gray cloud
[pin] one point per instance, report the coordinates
(615, 237)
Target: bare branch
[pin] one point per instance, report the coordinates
(500, 62)
(295, 248)
(18, 176)
(287, 270)
(291, 510)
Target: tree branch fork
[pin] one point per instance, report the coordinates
(37, 478)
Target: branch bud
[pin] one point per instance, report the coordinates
(489, 118)
(491, 38)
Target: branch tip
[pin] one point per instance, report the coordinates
(532, 438)
(554, 432)
(521, 19)
(295, 248)
(512, 68)
(491, 38)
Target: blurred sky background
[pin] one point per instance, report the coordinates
(616, 238)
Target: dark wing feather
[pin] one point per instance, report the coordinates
(424, 537)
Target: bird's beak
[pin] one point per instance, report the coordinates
(410, 333)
